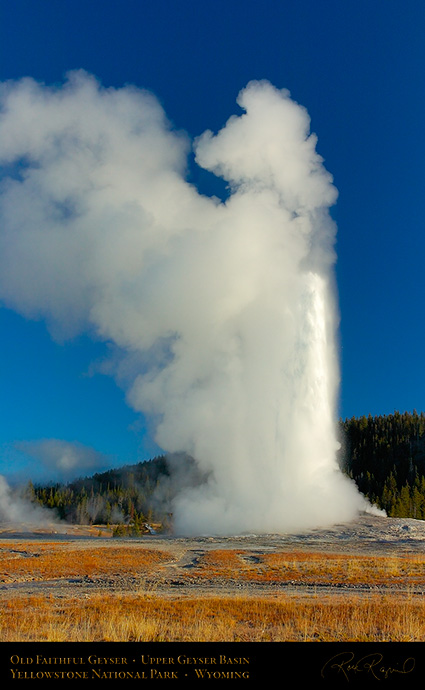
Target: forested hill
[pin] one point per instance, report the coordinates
(385, 455)
(133, 496)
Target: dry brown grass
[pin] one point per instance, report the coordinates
(312, 568)
(49, 561)
(155, 619)
(136, 615)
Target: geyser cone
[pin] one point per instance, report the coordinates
(222, 313)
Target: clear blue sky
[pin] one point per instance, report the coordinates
(357, 66)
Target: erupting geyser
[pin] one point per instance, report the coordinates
(222, 313)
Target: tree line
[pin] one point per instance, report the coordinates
(123, 498)
(384, 455)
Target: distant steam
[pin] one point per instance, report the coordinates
(223, 312)
(16, 507)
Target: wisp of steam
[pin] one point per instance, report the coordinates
(222, 313)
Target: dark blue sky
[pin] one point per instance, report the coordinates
(357, 66)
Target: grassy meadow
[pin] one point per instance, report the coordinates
(389, 608)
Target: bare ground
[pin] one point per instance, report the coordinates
(180, 573)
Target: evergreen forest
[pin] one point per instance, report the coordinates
(384, 455)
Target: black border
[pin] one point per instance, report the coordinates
(324, 663)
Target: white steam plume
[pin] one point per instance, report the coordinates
(16, 507)
(227, 308)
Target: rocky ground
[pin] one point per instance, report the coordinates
(179, 575)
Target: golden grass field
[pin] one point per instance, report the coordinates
(105, 590)
(149, 618)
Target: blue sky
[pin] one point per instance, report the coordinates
(357, 66)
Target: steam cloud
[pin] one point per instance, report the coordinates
(16, 507)
(223, 312)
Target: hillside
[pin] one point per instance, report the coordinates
(384, 455)
(131, 497)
